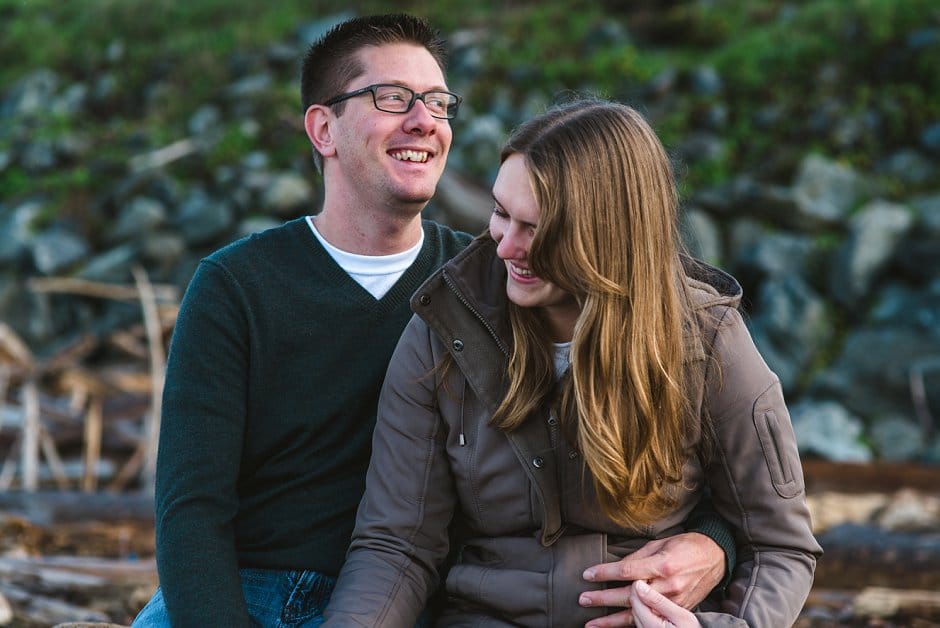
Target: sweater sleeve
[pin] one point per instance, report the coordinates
(401, 534)
(705, 520)
(201, 437)
(756, 483)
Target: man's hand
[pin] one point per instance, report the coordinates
(684, 568)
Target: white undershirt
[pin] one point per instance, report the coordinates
(375, 273)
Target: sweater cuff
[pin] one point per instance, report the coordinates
(705, 520)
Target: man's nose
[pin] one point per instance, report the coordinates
(419, 119)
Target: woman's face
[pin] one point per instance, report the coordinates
(512, 225)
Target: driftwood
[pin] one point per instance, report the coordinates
(885, 602)
(35, 449)
(859, 556)
(869, 477)
(45, 592)
(878, 523)
(48, 508)
(77, 448)
(91, 561)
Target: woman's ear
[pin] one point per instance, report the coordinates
(317, 124)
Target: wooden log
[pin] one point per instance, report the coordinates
(157, 368)
(29, 446)
(64, 572)
(54, 507)
(886, 602)
(869, 477)
(92, 453)
(861, 556)
(96, 590)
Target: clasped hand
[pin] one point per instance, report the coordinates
(681, 571)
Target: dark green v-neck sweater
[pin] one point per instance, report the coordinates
(272, 381)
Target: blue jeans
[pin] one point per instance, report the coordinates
(275, 599)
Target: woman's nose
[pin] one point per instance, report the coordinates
(508, 245)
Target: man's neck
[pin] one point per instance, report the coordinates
(369, 233)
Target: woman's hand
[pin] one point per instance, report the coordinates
(653, 610)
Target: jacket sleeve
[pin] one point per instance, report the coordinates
(199, 452)
(401, 534)
(756, 481)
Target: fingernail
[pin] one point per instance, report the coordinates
(641, 586)
(584, 600)
(588, 574)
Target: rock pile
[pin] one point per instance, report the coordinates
(841, 274)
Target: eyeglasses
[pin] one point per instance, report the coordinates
(400, 99)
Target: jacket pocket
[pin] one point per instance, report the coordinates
(779, 445)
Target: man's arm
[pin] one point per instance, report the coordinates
(685, 568)
(199, 453)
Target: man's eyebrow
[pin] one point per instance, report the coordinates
(436, 88)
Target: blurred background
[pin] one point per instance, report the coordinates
(136, 137)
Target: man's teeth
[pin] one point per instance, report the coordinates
(419, 156)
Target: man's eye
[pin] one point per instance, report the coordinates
(393, 97)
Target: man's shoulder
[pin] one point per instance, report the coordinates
(450, 241)
(276, 240)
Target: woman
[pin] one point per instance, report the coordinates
(569, 387)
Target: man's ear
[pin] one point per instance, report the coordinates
(317, 121)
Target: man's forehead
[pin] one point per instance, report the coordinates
(401, 63)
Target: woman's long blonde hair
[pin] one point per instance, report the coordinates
(608, 234)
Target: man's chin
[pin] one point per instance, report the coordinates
(415, 198)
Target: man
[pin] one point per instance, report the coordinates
(281, 346)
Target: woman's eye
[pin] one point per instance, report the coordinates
(498, 211)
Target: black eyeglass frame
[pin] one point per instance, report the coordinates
(415, 96)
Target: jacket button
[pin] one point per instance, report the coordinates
(424, 299)
(572, 455)
(458, 344)
(538, 462)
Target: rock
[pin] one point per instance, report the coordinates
(142, 215)
(930, 139)
(288, 195)
(825, 191)
(827, 429)
(310, 32)
(701, 235)
(897, 439)
(111, 266)
(31, 94)
(909, 166)
(789, 325)
(162, 248)
(871, 374)
(203, 219)
(57, 249)
(875, 232)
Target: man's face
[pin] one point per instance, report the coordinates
(392, 160)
